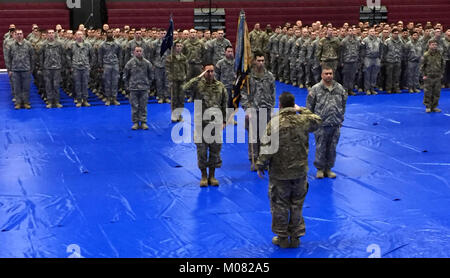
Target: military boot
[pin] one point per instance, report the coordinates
(428, 110)
(48, 105)
(86, 103)
(416, 90)
(301, 86)
(434, 110)
(283, 242)
(410, 91)
(294, 84)
(167, 100)
(320, 174)
(374, 93)
(144, 126)
(204, 180)
(108, 102)
(368, 92)
(135, 126)
(211, 179)
(160, 101)
(27, 106)
(17, 106)
(115, 102)
(58, 105)
(330, 174)
(295, 242)
(78, 103)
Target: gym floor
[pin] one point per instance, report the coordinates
(80, 180)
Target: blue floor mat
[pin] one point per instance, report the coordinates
(81, 177)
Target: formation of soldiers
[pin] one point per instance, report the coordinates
(95, 59)
(384, 57)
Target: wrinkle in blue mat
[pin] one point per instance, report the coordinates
(80, 177)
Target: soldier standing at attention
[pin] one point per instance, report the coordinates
(138, 76)
(226, 74)
(212, 94)
(432, 68)
(218, 46)
(415, 53)
(350, 59)
(159, 64)
(288, 168)
(257, 101)
(109, 54)
(393, 56)
(176, 67)
(80, 58)
(371, 55)
(19, 64)
(328, 50)
(328, 100)
(52, 60)
(195, 52)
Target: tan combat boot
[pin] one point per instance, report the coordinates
(135, 126)
(212, 180)
(330, 174)
(115, 102)
(320, 174)
(144, 126)
(283, 242)
(27, 106)
(204, 180)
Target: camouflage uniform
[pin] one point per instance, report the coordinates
(393, 55)
(300, 61)
(273, 49)
(432, 67)
(195, 52)
(52, 61)
(446, 78)
(313, 68)
(138, 75)
(288, 168)
(131, 45)
(415, 53)
(212, 95)
(225, 73)
(258, 40)
(20, 63)
(293, 59)
(381, 80)
(261, 97)
(80, 58)
(404, 64)
(218, 49)
(350, 50)
(109, 54)
(284, 59)
(330, 106)
(287, 50)
(371, 54)
(176, 66)
(159, 64)
(328, 52)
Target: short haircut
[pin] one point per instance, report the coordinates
(258, 53)
(287, 100)
(432, 41)
(326, 67)
(228, 47)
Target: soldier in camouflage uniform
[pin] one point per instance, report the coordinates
(432, 68)
(257, 101)
(381, 80)
(19, 64)
(370, 55)
(301, 58)
(447, 59)
(294, 56)
(273, 49)
(328, 100)
(176, 67)
(52, 60)
(350, 49)
(415, 53)
(218, 46)
(137, 41)
(159, 64)
(288, 168)
(195, 52)
(285, 49)
(328, 50)
(393, 55)
(138, 75)
(258, 39)
(109, 54)
(80, 58)
(312, 68)
(225, 73)
(212, 94)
